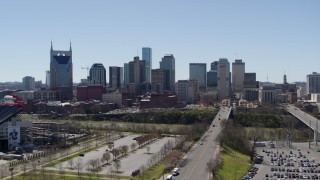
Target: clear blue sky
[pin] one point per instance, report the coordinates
(272, 36)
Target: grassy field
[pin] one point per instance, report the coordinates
(269, 134)
(234, 164)
(154, 172)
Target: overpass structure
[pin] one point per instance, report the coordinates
(307, 119)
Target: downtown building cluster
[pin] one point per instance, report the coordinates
(137, 83)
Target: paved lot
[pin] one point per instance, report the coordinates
(134, 160)
(139, 157)
(298, 162)
(128, 140)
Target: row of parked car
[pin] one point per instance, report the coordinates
(292, 165)
(252, 172)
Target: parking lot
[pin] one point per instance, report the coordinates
(133, 161)
(279, 162)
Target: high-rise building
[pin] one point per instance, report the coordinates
(214, 65)
(160, 80)
(187, 91)
(168, 63)
(28, 83)
(238, 70)
(250, 80)
(224, 79)
(198, 72)
(126, 74)
(147, 56)
(97, 75)
(137, 70)
(115, 77)
(285, 79)
(61, 76)
(212, 78)
(313, 83)
(137, 73)
(250, 87)
(48, 78)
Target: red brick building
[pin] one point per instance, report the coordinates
(85, 93)
(159, 101)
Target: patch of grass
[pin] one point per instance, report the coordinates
(26, 116)
(269, 134)
(154, 172)
(233, 164)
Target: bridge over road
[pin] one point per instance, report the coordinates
(307, 119)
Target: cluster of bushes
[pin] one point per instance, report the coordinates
(252, 120)
(269, 117)
(234, 136)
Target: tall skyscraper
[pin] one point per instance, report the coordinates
(115, 77)
(168, 63)
(126, 74)
(48, 78)
(214, 65)
(212, 78)
(238, 70)
(160, 80)
(224, 79)
(137, 70)
(61, 76)
(147, 56)
(97, 75)
(28, 83)
(198, 72)
(250, 80)
(212, 75)
(137, 73)
(250, 87)
(313, 83)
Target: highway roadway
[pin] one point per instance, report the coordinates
(304, 117)
(194, 165)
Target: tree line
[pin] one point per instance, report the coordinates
(162, 116)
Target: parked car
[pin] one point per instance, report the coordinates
(135, 172)
(176, 171)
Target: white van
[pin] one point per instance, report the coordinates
(169, 177)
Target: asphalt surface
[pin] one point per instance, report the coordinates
(96, 154)
(43, 160)
(194, 165)
(134, 160)
(269, 170)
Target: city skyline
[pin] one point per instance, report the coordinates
(272, 37)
